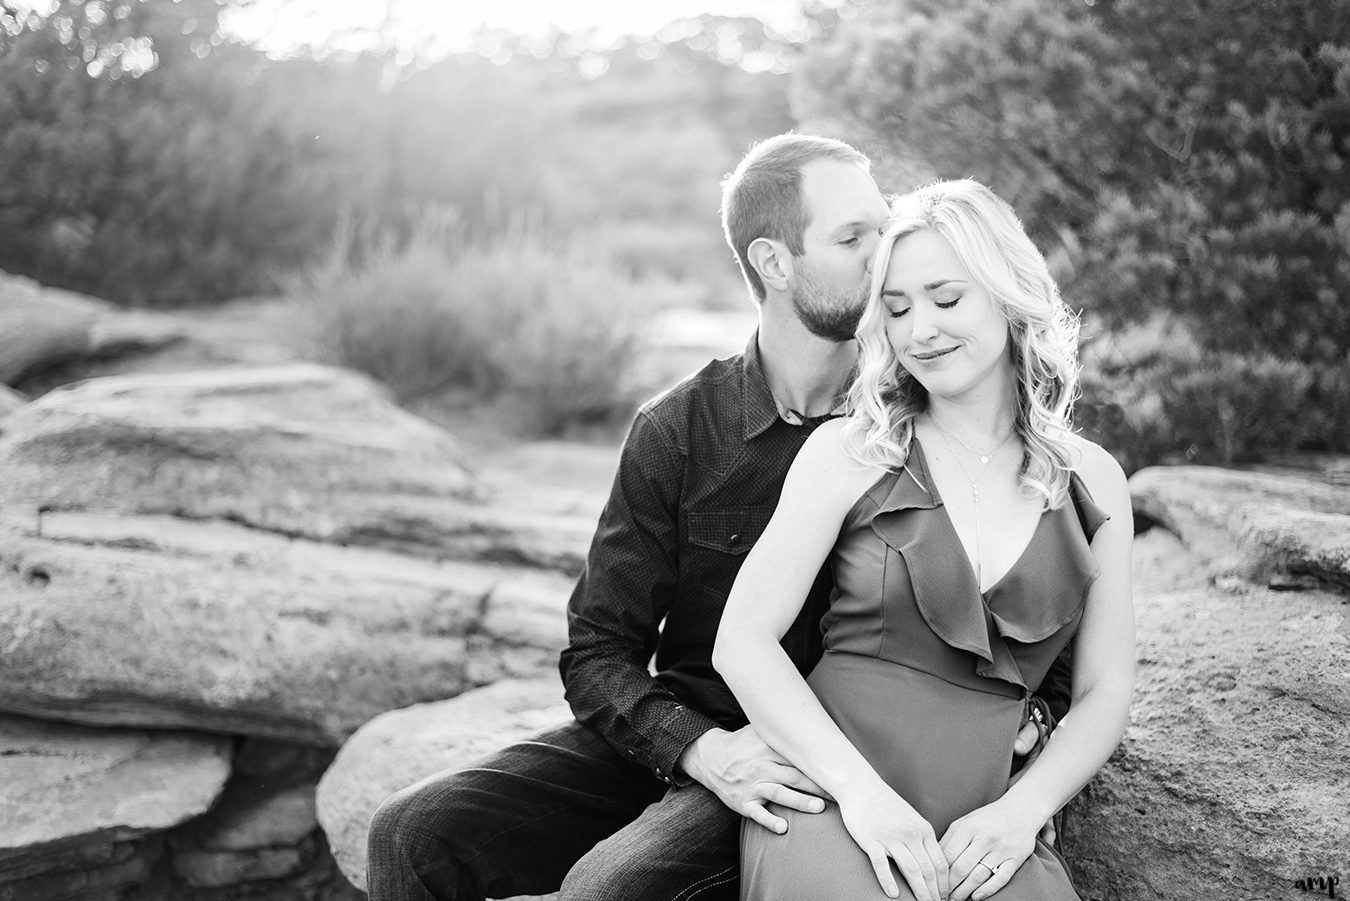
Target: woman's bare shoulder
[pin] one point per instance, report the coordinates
(1101, 473)
(825, 466)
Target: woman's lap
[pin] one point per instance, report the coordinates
(817, 860)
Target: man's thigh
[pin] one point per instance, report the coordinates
(511, 824)
(685, 846)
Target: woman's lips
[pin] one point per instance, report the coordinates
(932, 354)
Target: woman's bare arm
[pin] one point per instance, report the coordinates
(821, 487)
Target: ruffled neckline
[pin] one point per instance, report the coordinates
(1027, 604)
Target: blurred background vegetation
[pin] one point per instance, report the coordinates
(503, 220)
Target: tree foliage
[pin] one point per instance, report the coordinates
(1182, 156)
(150, 160)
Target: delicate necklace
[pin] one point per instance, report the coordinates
(974, 483)
(985, 456)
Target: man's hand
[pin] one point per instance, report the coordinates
(1022, 746)
(746, 774)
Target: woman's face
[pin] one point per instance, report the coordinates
(944, 327)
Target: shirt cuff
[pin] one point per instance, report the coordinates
(677, 732)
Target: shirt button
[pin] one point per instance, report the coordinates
(632, 753)
(734, 539)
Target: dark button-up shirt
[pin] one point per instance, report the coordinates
(699, 477)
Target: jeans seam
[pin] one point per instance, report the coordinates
(706, 882)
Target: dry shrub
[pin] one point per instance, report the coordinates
(538, 320)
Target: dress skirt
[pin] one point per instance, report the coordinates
(944, 748)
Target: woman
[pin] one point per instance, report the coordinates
(971, 536)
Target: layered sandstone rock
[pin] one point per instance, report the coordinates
(1260, 526)
(156, 621)
(46, 328)
(303, 451)
(81, 809)
(1231, 778)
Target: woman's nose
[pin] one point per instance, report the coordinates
(923, 323)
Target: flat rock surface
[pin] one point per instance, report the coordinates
(1231, 779)
(71, 798)
(45, 328)
(401, 747)
(301, 450)
(155, 621)
(1262, 526)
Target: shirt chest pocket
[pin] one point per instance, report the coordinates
(718, 542)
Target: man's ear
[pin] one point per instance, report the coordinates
(773, 261)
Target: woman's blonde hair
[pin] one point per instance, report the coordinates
(990, 242)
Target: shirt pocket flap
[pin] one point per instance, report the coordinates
(732, 530)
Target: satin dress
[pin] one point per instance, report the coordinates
(929, 678)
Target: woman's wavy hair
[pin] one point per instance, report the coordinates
(991, 243)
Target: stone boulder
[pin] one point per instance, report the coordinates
(1276, 528)
(304, 451)
(1231, 779)
(10, 400)
(48, 328)
(119, 620)
(81, 807)
(156, 621)
(401, 747)
(262, 832)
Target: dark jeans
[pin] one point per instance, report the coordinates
(562, 809)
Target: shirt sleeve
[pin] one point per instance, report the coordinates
(615, 612)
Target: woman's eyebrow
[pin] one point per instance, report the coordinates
(930, 286)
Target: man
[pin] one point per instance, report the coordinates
(642, 796)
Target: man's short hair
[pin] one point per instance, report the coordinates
(762, 198)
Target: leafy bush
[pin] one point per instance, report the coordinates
(1151, 394)
(541, 323)
(1171, 157)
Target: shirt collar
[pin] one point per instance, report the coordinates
(757, 404)
(760, 408)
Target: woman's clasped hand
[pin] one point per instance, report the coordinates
(975, 858)
(985, 847)
(888, 829)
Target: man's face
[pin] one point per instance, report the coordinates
(845, 215)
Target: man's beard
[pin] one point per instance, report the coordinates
(832, 315)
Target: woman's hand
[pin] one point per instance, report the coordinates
(987, 846)
(887, 828)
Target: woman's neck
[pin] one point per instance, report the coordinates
(980, 419)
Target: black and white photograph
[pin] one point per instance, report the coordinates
(677, 450)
